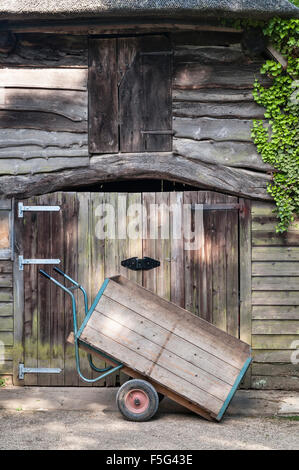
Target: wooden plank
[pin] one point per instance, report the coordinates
(6, 309)
(111, 258)
(5, 280)
(70, 223)
(13, 166)
(6, 295)
(70, 104)
(40, 50)
(6, 368)
(218, 257)
(144, 93)
(40, 121)
(18, 298)
(58, 78)
(268, 238)
(276, 298)
(232, 154)
(275, 283)
(85, 230)
(275, 312)
(6, 323)
(206, 38)
(275, 268)
(209, 54)
(273, 356)
(192, 109)
(57, 333)
(158, 356)
(199, 128)
(96, 256)
(276, 370)
(174, 318)
(44, 307)
(191, 256)
(8, 353)
(172, 343)
(275, 327)
(275, 342)
(103, 96)
(10, 138)
(263, 382)
(177, 284)
(231, 254)
(156, 72)
(134, 26)
(144, 366)
(134, 231)
(130, 95)
(6, 337)
(195, 76)
(149, 277)
(216, 95)
(275, 253)
(245, 275)
(163, 245)
(6, 267)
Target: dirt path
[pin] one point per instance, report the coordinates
(107, 430)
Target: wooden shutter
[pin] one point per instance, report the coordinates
(130, 111)
(103, 99)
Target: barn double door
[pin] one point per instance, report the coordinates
(197, 248)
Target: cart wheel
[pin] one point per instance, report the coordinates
(137, 400)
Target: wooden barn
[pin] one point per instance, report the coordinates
(115, 104)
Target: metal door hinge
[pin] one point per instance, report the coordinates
(22, 209)
(23, 261)
(39, 370)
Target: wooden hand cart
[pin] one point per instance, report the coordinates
(166, 349)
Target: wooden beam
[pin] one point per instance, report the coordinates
(134, 166)
(245, 278)
(277, 55)
(96, 26)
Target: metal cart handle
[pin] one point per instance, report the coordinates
(108, 370)
(78, 286)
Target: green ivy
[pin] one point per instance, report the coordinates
(277, 142)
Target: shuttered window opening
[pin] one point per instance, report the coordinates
(130, 94)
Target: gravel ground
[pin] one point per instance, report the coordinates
(72, 430)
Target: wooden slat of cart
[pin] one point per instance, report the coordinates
(159, 355)
(144, 366)
(160, 336)
(173, 318)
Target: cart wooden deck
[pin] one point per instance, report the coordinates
(183, 356)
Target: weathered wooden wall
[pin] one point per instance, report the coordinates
(44, 112)
(275, 302)
(43, 105)
(6, 291)
(213, 109)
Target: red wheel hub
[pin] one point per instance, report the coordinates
(137, 401)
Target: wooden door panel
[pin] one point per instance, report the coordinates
(203, 280)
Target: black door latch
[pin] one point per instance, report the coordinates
(137, 264)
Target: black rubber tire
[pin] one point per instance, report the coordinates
(148, 389)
